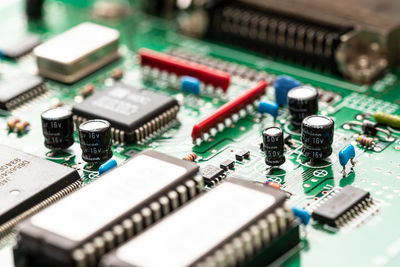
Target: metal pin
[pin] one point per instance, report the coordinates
(147, 218)
(137, 222)
(164, 202)
(182, 191)
(156, 210)
(173, 196)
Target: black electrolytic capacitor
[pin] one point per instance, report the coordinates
(58, 128)
(302, 102)
(317, 136)
(95, 139)
(273, 145)
(34, 9)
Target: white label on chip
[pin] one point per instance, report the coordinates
(85, 211)
(188, 234)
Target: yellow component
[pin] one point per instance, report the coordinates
(387, 119)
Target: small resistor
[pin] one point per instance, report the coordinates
(117, 74)
(21, 126)
(365, 141)
(190, 157)
(88, 90)
(276, 185)
(57, 105)
(12, 122)
(387, 119)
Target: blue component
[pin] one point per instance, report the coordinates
(345, 154)
(190, 84)
(283, 84)
(1, 55)
(302, 214)
(108, 165)
(268, 107)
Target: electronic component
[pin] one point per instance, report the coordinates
(88, 89)
(346, 154)
(135, 114)
(343, 40)
(273, 184)
(12, 122)
(234, 69)
(268, 107)
(20, 46)
(387, 119)
(245, 220)
(242, 154)
(366, 141)
(317, 136)
(303, 102)
(34, 9)
(345, 204)
(28, 184)
(223, 114)
(108, 165)
(273, 145)
(283, 84)
(191, 157)
(179, 67)
(302, 214)
(211, 174)
(227, 164)
(77, 52)
(58, 128)
(18, 90)
(105, 213)
(369, 128)
(21, 126)
(95, 141)
(117, 74)
(190, 85)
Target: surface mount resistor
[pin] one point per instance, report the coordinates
(21, 126)
(12, 122)
(88, 89)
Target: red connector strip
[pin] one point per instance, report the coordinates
(228, 109)
(182, 67)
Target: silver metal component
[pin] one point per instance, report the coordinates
(165, 205)
(174, 198)
(147, 218)
(273, 225)
(156, 211)
(59, 60)
(183, 194)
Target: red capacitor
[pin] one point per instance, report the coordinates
(228, 109)
(183, 67)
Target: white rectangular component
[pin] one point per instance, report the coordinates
(91, 208)
(184, 237)
(77, 52)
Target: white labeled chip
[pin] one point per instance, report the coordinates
(103, 201)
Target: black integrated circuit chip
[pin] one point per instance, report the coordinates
(15, 91)
(21, 46)
(135, 114)
(211, 173)
(332, 211)
(26, 180)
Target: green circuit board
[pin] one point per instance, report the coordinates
(370, 241)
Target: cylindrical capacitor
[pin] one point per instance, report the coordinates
(273, 146)
(95, 139)
(303, 102)
(317, 136)
(58, 128)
